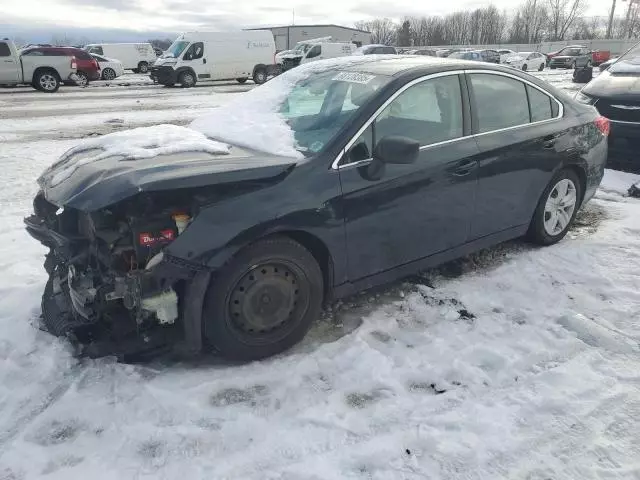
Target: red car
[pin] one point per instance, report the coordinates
(88, 68)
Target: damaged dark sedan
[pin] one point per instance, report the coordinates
(229, 235)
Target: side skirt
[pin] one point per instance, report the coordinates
(388, 276)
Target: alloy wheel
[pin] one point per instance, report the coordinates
(108, 74)
(48, 82)
(559, 208)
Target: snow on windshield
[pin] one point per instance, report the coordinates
(253, 119)
(139, 143)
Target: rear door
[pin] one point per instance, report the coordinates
(411, 211)
(9, 66)
(516, 126)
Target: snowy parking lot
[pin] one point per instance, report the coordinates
(516, 363)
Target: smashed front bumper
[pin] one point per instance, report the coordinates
(108, 313)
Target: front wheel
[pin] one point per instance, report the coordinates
(241, 80)
(143, 67)
(263, 301)
(524, 67)
(187, 79)
(557, 209)
(260, 76)
(541, 68)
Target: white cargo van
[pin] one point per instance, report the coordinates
(315, 49)
(134, 56)
(206, 56)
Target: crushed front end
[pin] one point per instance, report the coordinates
(111, 289)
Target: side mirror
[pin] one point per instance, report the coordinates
(396, 150)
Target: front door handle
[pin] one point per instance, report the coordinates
(465, 168)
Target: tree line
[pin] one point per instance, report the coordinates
(533, 21)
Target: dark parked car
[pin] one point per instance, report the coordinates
(88, 68)
(405, 163)
(466, 55)
(375, 49)
(425, 51)
(490, 56)
(616, 95)
(571, 57)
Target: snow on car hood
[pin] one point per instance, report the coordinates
(145, 142)
(253, 120)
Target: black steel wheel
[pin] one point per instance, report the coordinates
(264, 300)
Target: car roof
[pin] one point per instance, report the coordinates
(406, 64)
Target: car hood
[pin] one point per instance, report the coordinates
(618, 86)
(106, 181)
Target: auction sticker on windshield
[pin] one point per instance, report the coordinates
(354, 77)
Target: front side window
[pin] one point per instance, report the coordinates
(82, 55)
(500, 102)
(314, 52)
(97, 50)
(428, 112)
(196, 51)
(4, 50)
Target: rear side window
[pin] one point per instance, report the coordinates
(81, 54)
(500, 102)
(4, 50)
(97, 50)
(429, 112)
(540, 105)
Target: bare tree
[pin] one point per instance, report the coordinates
(383, 30)
(562, 15)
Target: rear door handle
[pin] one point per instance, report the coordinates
(465, 168)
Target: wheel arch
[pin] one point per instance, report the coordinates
(181, 70)
(580, 171)
(40, 70)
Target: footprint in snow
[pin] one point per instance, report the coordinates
(234, 396)
(363, 399)
(58, 432)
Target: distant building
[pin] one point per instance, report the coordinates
(287, 37)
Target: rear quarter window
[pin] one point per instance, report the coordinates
(81, 54)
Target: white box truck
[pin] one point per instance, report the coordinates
(314, 49)
(207, 56)
(42, 73)
(134, 56)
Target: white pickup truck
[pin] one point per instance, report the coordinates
(42, 73)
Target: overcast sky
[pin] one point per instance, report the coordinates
(179, 15)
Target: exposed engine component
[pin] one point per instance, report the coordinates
(163, 305)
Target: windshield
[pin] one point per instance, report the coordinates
(628, 63)
(175, 49)
(317, 107)
(302, 48)
(297, 113)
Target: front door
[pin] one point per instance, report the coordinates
(517, 136)
(407, 212)
(195, 58)
(9, 67)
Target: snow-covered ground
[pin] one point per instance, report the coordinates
(516, 363)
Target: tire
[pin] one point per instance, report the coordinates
(541, 68)
(552, 67)
(143, 67)
(260, 76)
(278, 270)
(108, 74)
(241, 80)
(541, 230)
(83, 79)
(187, 79)
(47, 81)
(524, 67)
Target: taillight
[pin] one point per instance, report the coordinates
(603, 124)
(74, 64)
